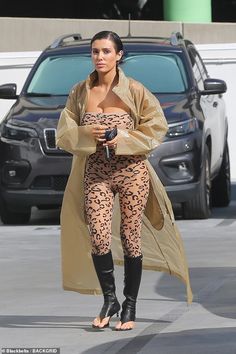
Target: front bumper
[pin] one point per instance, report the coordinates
(177, 162)
(30, 177)
(182, 192)
(21, 200)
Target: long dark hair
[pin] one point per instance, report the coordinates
(112, 36)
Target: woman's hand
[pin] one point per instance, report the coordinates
(98, 132)
(111, 143)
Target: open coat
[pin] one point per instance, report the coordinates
(162, 246)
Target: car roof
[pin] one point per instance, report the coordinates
(73, 42)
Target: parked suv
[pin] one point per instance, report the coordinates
(192, 162)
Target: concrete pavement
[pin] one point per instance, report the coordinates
(36, 312)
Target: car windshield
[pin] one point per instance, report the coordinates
(56, 75)
(160, 73)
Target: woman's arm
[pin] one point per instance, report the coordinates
(70, 136)
(151, 128)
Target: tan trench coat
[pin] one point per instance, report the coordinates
(162, 246)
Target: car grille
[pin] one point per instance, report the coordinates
(49, 144)
(57, 183)
(50, 138)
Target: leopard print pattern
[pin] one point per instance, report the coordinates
(126, 175)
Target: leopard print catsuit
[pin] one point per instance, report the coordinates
(126, 175)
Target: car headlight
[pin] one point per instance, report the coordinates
(182, 128)
(14, 132)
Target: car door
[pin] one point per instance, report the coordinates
(213, 110)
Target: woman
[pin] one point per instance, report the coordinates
(109, 124)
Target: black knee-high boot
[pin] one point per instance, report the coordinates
(133, 273)
(105, 268)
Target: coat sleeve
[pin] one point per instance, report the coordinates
(70, 136)
(151, 127)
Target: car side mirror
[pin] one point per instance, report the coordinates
(214, 86)
(8, 91)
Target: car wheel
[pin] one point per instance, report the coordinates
(14, 218)
(221, 185)
(200, 206)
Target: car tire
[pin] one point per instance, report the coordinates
(221, 185)
(14, 218)
(200, 206)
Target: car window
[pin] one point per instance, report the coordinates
(56, 75)
(160, 73)
(198, 69)
(201, 66)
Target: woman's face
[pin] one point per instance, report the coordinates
(104, 55)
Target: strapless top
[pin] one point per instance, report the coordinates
(116, 119)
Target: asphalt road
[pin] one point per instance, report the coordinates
(36, 313)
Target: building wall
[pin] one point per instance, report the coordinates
(34, 34)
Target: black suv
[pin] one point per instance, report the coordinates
(192, 162)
